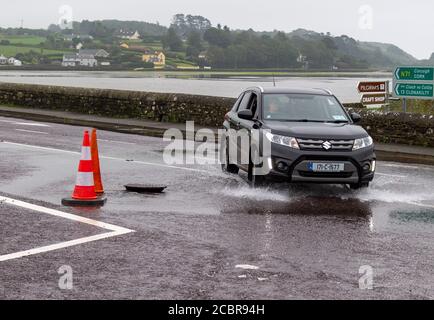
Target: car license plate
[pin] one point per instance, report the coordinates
(326, 167)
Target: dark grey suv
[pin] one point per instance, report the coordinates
(311, 138)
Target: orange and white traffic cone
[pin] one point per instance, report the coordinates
(99, 189)
(84, 192)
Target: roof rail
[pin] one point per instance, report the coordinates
(325, 90)
(256, 87)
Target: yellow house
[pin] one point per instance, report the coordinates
(125, 45)
(158, 58)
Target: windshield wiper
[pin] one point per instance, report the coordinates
(304, 120)
(338, 121)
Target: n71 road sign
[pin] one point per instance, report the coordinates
(414, 73)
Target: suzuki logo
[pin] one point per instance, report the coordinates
(327, 145)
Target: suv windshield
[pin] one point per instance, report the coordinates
(303, 107)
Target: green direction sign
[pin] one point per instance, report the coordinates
(419, 90)
(415, 73)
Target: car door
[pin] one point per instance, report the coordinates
(245, 129)
(235, 126)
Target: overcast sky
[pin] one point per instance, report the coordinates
(408, 24)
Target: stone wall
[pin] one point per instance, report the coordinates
(205, 110)
(413, 129)
(395, 127)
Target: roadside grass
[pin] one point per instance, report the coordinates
(12, 50)
(413, 106)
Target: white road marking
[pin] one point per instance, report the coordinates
(390, 175)
(421, 204)
(39, 147)
(114, 141)
(246, 267)
(168, 166)
(425, 167)
(31, 124)
(114, 230)
(105, 157)
(157, 164)
(31, 131)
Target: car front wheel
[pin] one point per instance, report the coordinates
(255, 180)
(226, 166)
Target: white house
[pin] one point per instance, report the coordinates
(15, 62)
(69, 60)
(74, 60)
(87, 60)
(98, 53)
(124, 34)
(3, 59)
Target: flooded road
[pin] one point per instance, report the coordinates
(345, 86)
(300, 241)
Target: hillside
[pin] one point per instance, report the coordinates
(193, 42)
(344, 48)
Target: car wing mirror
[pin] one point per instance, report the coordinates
(245, 114)
(356, 117)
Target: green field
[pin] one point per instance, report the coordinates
(11, 50)
(179, 63)
(24, 40)
(157, 46)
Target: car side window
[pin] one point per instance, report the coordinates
(237, 104)
(245, 102)
(253, 104)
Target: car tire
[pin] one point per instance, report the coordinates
(228, 167)
(358, 186)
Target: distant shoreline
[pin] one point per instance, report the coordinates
(217, 72)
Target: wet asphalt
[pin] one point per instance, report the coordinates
(305, 241)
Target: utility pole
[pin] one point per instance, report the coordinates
(22, 23)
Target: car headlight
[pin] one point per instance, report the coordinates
(283, 140)
(363, 143)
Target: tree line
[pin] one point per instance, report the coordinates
(221, 47)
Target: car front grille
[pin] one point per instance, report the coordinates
(325, 145)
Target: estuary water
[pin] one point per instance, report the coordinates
(344, 86)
